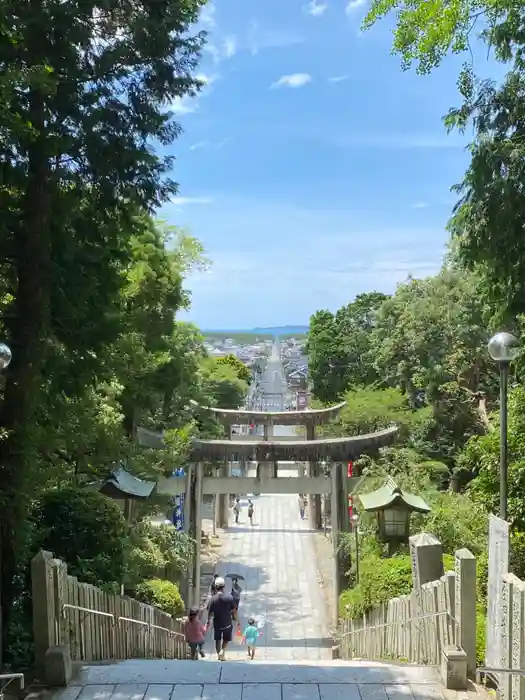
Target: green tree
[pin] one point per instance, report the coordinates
(84, 92)
(430, 341)
(481, 459)
(326, 362)
(86, 530)
(221, 385)
(369, 410)
(339, 347)
(427, 31)
(238, 367)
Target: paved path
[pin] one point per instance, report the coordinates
(277, 559)
(194, 680)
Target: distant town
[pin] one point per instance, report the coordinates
(253, 349)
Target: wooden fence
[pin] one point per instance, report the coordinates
(97, 626)
(417, 627)
(413, 627)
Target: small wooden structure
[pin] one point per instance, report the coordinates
(126, 489)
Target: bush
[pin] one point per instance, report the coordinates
(379, 581)
(86, 530)
(158, 551)
(164, 595)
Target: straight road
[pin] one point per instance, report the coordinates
(276, 556)
(277, 559)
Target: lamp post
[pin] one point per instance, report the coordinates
(5, 356)
(5, 359)
(355, 528)
(503, 348)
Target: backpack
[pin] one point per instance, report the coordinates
(250, 511)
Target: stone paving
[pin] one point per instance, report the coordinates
(277, 558)
(193, 680)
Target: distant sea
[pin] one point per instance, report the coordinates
(272, 330)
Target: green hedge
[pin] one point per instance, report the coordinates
(379, 581)
(164, 595)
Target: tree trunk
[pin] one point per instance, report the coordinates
(26, 330)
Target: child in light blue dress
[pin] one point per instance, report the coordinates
(251, 634)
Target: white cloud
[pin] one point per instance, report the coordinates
(208, 144)
(337, 78)
(184, 105)
(259, 39)
(199, 144)
(206, 80)
(294, 80)
(229, 47)
(315, 8)
(420, 205)
(183, 201)
(353, 5)
(207, 15)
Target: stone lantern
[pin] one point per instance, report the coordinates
(393, 508)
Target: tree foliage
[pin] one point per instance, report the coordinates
(238, 367)
(86, 90)
(339, 350)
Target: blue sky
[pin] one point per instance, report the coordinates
(311, 167)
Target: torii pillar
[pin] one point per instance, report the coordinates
(315, 517)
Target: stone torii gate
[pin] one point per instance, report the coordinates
(306, 420)
(266, 454)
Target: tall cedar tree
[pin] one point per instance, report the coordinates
(86, 88)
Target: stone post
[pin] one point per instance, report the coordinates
(426, 553)
(499, 544)
(315, 516)
(45, 615)
(336, 529)
(466, 606)
(198, 533)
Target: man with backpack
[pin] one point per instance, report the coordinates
(251, 510)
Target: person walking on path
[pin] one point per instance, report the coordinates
(251, 634)
(237, 509)
(251, 510)
(195, 631)
(222, 610)
(236, 594)
(302, 505)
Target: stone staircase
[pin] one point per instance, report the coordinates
(242, 680)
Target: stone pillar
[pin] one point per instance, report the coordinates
(511, 633)
(315, 516)
(198, 533)
(499, 542)
(44, 613)
(426, 553)
(223, 501)
(466, 606)
(336, 528)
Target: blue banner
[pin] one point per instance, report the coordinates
(178, 505)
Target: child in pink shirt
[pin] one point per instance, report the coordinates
(195, 632)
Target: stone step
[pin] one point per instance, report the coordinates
(211, 672)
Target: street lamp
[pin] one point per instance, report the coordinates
(503, 348)
(5, 356)
(355, 528)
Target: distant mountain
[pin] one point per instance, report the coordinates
(272, 330)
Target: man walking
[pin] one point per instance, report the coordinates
(223, 611)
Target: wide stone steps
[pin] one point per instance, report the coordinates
(257, 680)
